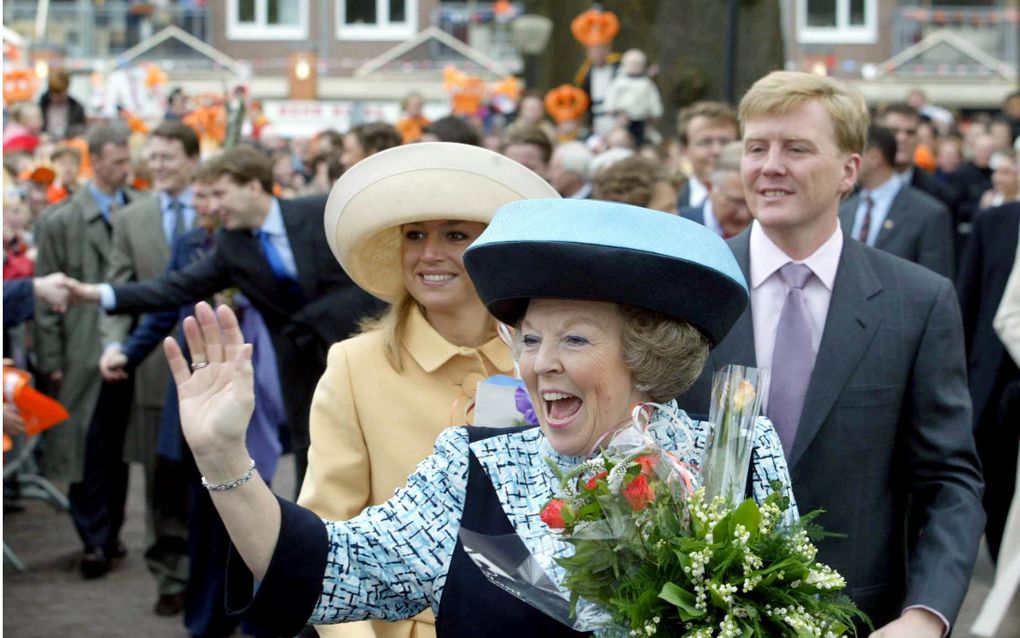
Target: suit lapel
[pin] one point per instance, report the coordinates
(738, 346)
(301, 245)
(899, 209)
(849, 327)
(152, 235)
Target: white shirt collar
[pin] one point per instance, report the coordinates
(698, 191)
(273, 224)
(767, 258)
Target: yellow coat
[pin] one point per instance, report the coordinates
(371, 425)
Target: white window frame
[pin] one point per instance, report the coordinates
(237, 30)
(383, 29)
(842, 33)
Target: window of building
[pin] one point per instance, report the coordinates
(267, 19)
(376, 19)
(837, 21)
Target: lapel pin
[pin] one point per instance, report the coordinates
(888, 224)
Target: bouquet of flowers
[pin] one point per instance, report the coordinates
(662, 557)
(655, 552)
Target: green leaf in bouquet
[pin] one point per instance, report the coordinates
(723, 529)
(748, 515)
(683, 600)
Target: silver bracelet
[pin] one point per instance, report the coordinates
(229, 485)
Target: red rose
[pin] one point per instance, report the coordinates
(647, 463)
(593, 481)
(639, 493)
(552, 514)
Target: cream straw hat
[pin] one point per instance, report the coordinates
(415, 183)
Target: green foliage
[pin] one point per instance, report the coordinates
(682, 567)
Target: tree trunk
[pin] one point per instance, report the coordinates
(687, 39)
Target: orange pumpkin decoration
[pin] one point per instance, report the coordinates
(566, 102)
(595, 27)
(19, 85)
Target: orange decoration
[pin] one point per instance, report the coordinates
(466, 91)
(505, 94)
(135, 123)
(209, 122)
(595, 27)
(19, 85)
(411, 127)
(39, 411)
(924, 158)
(155, 76)
(566, 102)
(56, 193)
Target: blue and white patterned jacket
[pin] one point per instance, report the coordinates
(391, 561)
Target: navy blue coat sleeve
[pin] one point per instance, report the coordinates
(287, 596)
(19, 301)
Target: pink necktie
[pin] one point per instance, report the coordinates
(792, 358)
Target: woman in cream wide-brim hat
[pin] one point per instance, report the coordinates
(398, 222)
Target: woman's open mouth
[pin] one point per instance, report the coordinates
(560, 408)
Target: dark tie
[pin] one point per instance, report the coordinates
(273, 257)
(792, 357)
(866, 224)
(180, 227)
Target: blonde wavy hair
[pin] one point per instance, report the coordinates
(780, 92)
(392, 324)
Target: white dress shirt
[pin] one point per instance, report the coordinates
(768, 290)
(698, 191)
(708, 218)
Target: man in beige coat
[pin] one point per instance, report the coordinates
(86, 451)
(142, 240)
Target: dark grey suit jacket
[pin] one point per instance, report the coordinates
(918, 228)
(885, 433)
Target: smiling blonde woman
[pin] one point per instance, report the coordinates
(399, 222)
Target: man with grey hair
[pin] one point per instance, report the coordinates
(87, 450)
(570, 170)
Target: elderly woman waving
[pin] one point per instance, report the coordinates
(615, 306)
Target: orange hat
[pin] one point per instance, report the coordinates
(594, 27)
(38, 173)
(566, 102)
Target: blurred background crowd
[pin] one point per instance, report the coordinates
(940, 185)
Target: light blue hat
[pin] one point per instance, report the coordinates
(606, 251)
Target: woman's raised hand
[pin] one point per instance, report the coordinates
(216, 392)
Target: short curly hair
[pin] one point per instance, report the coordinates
(665, 355)
(631, 180)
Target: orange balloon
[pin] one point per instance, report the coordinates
(594, 27)
(19, 85)
(566, 102)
